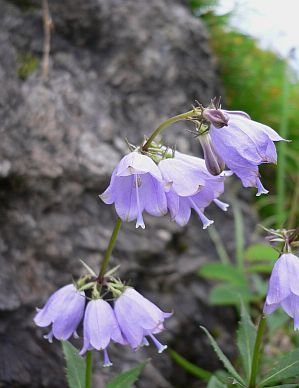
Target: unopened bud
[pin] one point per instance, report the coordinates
(215, 165)
(217, 117)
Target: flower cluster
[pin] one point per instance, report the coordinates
(128, 322)
(176, 184)
(154, 180)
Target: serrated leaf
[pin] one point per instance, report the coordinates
(189, 367)
(261, 252)
(246, 340)
(227, 294)
(75, 366)
(286, 366)
(127, 378)
(220, 271)
(222, 357)
(215, 383)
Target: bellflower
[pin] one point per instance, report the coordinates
(100, 327)
(244, 144)
(284, 287)
(139, 318)
(191, 187)
(136, 185)
(64, 310)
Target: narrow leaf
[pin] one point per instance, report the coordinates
(220, 271)
(127, 378)
(261, 252)
(215, 383)
(189, 367)
(222, 357)
(239, 235)
(246, 340)
(227, 294)
(75, 366)
(287, 366)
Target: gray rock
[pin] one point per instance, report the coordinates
(117, 69)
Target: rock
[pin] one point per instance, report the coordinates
(117, 69)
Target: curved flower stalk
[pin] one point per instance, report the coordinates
(64, 310)
(136, 185)
(191, 187)
(284, 287)
(138, 318)
(100, 327)
(243, 144)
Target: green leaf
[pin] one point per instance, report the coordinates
(220, 271)
(261, 252)
(246, 340)
(283, 386)
(189, 367)
(222, 357)
(226, 294)
(264, 268)
(239, 234)
(75, 366)
(286, 366)
(127, 378)
(215, 383)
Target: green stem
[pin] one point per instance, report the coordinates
(88, 372)
(110, 247)
(169, 121)
(281, 167)
(256, 352)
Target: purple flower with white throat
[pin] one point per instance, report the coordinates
(191, 187)
(243, 144)
(100, 327)
(64, 310)
(284, 287)
(136, 185)
(138, 318)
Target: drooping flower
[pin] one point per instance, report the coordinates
(136, 185)
(244, 144)
(138, 318)
(64, 310)
(283, 287)
(100, 327)
(191, 187)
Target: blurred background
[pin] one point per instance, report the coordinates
(77, 78)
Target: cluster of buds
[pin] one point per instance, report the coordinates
(126, 318)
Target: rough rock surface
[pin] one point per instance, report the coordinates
(117, 68)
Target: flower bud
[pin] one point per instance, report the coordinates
(217, 117)
(214, 163)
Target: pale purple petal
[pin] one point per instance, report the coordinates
(153, 196)
(172, 203)
(136, 163)
(183, 215)
(185, 178)
(279, 284)
(99, 321)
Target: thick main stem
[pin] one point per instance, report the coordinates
(256, 352)
(88, 371)
(165, 123)
(110, 247)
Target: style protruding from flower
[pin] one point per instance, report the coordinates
(100, 327)
(136, 185)
(243, 144)
(192, 187)
(284, 287)
(139, 318)
(64, 310)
